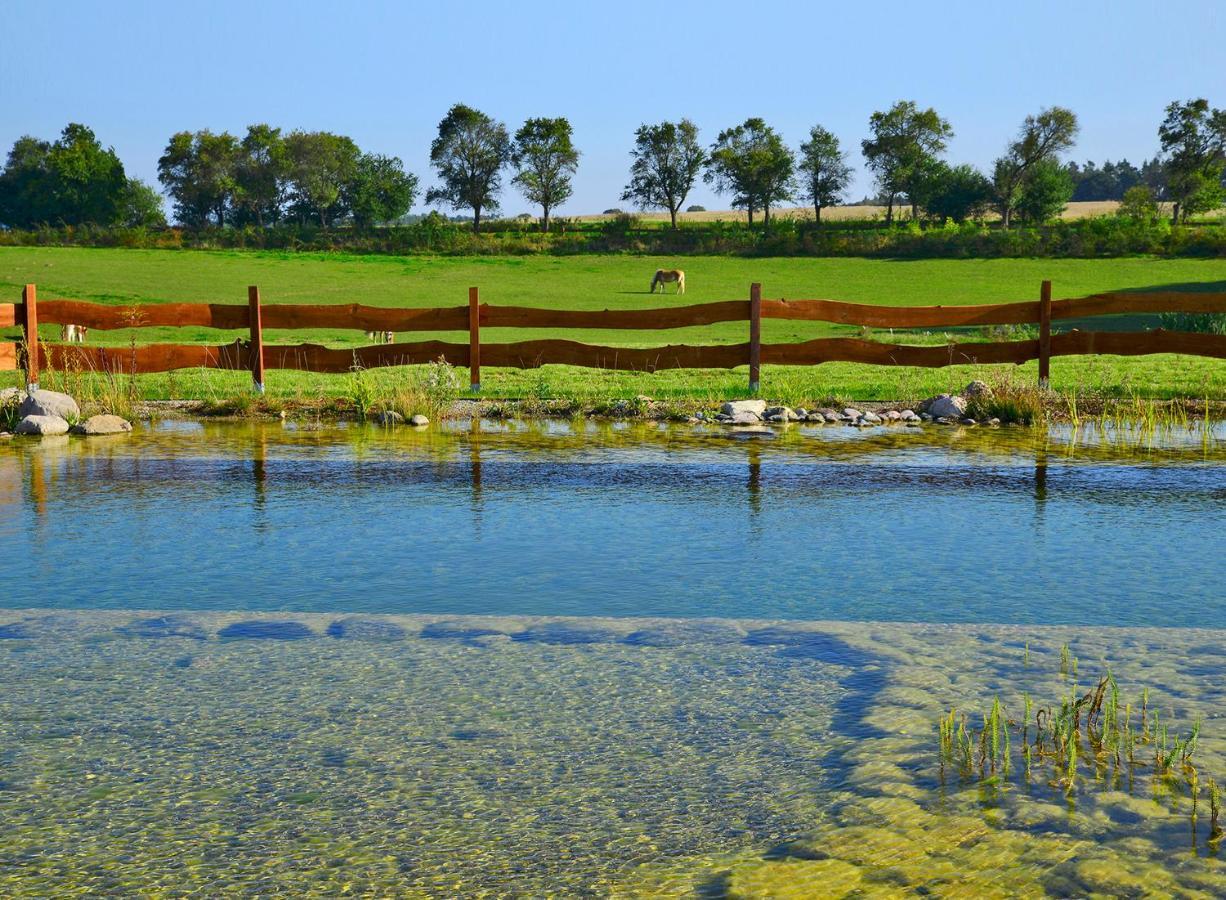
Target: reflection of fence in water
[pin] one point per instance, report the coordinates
(252, 354)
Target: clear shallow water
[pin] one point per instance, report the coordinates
(214, 754)
(728, 747)
(933, 526)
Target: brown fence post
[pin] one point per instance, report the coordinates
(1045, 335)
(755, 337)
(29, 329)
(257, 338)
(474, 340)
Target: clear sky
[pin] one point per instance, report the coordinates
(385, 73)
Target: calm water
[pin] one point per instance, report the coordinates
(581, 660)
(932, 526)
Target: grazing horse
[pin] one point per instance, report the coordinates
(381, 337)
(664, 276)
(73, 334)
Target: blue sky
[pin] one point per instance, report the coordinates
(385, 73)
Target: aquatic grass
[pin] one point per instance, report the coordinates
(1087, 734)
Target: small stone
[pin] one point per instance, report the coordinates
(943, 420)
(700, 416)
(994, 422)
(735, 407)
(37, 424)
(826, 412)
(265, 629)
(852, 413)
(871, 417)
(418, 420)
(788, 414)
(723, 417)
(976, 389)
(778, 419)
(801, 414)
(832, 418)
(946, 406)
(925, 417)
(892, 415)
(967, 421)
(50, 403)
(102, 425)
(908, 415)
(389, 417)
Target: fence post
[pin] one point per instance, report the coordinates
(257, 338)
(1045, 335)
(29, 329)
(474, 340)
(755, 337)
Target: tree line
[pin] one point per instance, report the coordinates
(268, 177)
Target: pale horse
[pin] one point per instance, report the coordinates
(381, 337)
(73, 334)
(664, 276)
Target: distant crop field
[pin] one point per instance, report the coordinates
(1082, 210)
(617, 282)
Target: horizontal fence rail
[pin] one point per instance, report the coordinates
(255, 355)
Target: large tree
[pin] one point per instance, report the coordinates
(752, 162)
(545, 160)
(379, 191)
(667, 160)
(260, 175)
(199, 172)
(905, 146)
(73, 181)
(824, 173)
(1194, 142)
(1042, 138)
(469, 155)
(318, 166)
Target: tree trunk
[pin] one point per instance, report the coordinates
(1175, 213)
(672, 212)
(766, 215)
(817, 212)
(1007, 216)
(889, 211)
(545, 220)
(914, 211)
(476, 219)
(749, 212)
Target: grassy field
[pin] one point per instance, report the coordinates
(597, 282)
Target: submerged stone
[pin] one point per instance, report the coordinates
(568, 633)
(362, 629)
(679, 634)
(164, 627)
(792, 878)
(102, 425)
(451, 629)
(259, 629)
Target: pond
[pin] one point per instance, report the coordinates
(499, 659)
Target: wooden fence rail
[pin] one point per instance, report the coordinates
(254, 355)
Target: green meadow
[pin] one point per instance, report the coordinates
(124, 276)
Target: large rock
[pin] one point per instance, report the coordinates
(50, 403)
(945, 406)
(736, 407)
(104, 424)
(42, 425)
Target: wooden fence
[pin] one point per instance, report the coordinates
(254, 355)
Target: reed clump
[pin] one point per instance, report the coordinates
(1096, 731)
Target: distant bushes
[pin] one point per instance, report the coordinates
(1105, 236)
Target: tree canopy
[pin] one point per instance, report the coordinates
(1193, 137)
(752, 162)
(545, 160)
(469, 154)
(904, 148)
(73, 181)
(824, 173)
(666, 162)
(1041, 139)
